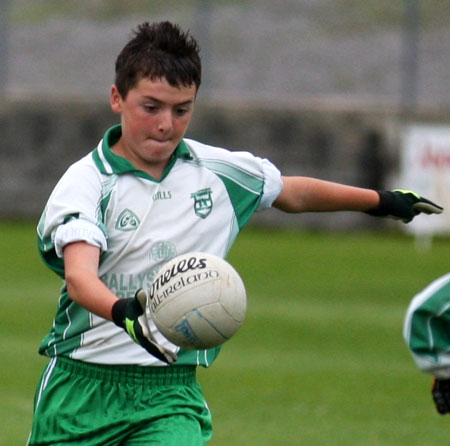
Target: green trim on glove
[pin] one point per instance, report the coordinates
(129, 327)
(129, 314)
(403, 205)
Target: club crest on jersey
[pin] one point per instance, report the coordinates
(162, 251)
(202, 202)
(127, 221)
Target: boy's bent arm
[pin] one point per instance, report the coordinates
(83, 285)
(304, 194)
(85, 288)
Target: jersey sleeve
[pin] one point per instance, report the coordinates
(77, 230)
(256, 174)
(427, 328)
(252, 183)
(272, 185)
(77, 197)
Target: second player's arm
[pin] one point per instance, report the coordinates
(304, 194)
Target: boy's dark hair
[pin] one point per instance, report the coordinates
(156, 51)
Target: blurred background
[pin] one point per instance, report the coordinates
(323, 88)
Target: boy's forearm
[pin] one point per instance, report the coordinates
(304, 194)
(83, 284)
(92, 294)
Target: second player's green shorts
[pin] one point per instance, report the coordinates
(94, 405)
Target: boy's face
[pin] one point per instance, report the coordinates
(154, 117)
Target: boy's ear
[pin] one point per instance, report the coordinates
(115, 100)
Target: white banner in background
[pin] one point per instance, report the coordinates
(425, 169)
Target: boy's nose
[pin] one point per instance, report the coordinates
(165, 121)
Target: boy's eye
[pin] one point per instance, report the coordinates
(181, 111)
(150, 107)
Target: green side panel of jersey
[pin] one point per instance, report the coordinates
(46, 249)
(244, 202)
(244, 189)
(50, 258)
(71, 321)
(202, 358)
(430, 324)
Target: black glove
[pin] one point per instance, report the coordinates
(441, 395)
(403, 205)
(129, 314)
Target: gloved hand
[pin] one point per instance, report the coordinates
(403, 205)
(129, 314)
(441, 395)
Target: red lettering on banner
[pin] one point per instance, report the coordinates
(436, 158)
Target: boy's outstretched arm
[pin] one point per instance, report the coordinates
(304, 194)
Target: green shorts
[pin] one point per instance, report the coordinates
(86, 404)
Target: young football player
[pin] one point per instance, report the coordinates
(144, 195)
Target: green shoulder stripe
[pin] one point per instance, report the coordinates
(244, 189)
(246, 180)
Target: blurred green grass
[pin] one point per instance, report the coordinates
(319, 360)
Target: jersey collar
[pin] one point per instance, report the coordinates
(109, 163)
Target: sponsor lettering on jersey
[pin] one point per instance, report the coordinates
(126, 285)
(162, 195)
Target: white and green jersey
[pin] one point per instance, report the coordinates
(427, 328)
(201, 203)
